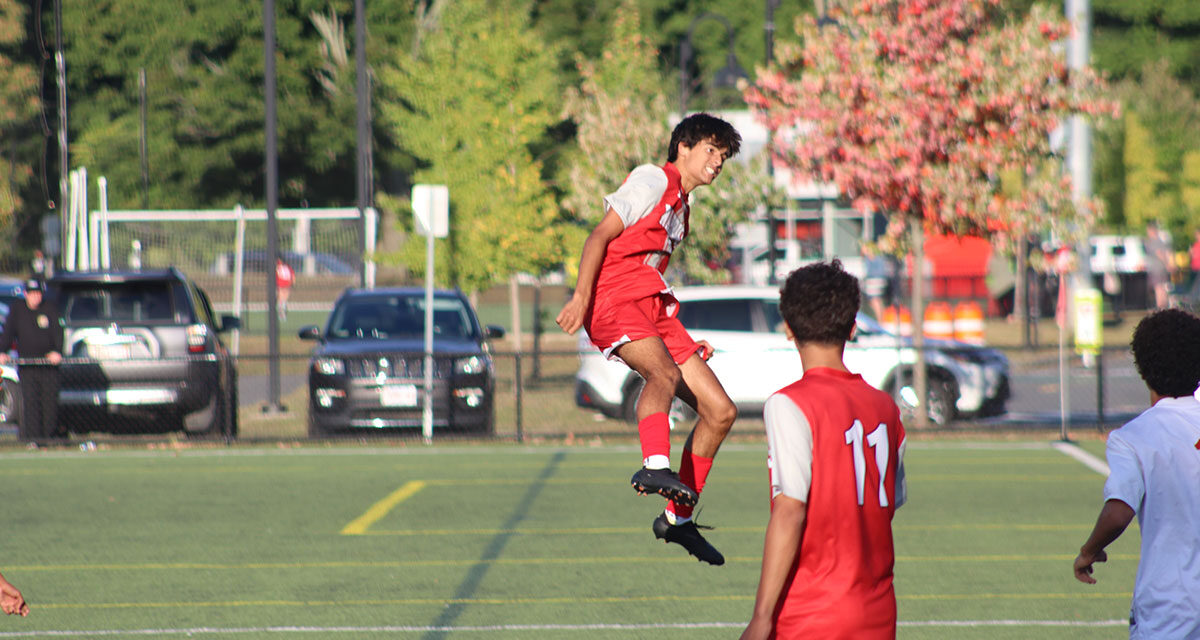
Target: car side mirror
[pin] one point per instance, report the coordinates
(493, 331)
(229, 323)
(310, 332)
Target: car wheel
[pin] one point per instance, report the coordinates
(941, 399)
(315, 430)
(231, 424)
(217, 424)
(10, 402)
(633, 391)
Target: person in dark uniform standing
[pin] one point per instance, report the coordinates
(35, 328)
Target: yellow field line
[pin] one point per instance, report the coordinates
(543, 601)
(360, 524)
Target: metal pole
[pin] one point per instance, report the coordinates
(427, 410)
(143, 147)
(517, 384)
(1100, 389)
(60, 66)
(1079, 153)
(685, 52)
(363, 119)
(772, 258)
(272, 189)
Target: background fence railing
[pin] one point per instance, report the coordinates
(534, 398)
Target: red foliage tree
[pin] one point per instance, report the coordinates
(932, 110)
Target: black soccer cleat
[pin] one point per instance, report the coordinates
(688, 536)
(665, 483)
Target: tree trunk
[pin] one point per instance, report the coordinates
(920, 379)
(1021, 295)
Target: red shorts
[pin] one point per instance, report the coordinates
(611, 326)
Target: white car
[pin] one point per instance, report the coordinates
(754, 358)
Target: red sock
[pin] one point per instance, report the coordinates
(693, 471)
(654, 431)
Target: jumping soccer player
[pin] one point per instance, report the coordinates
(629, 312)
(835, 450)
(1154, 463)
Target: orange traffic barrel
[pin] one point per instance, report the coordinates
(968, 322)
(939, 323)
(894, 316)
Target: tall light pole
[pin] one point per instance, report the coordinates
(726, 76)
(1079, 149)
(364, 171)
(272, 193)
(772, 257)
(60, 67)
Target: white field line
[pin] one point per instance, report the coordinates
(519, 627)
(131, 450)
(1090, 461)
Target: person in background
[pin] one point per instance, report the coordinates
(1159, 263)
(877, 278)
(1001, 278)
(11, 600)
(285, 277)
(35, 328)
(1154, 463)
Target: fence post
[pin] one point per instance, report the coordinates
(1100, 389)
(517, 387)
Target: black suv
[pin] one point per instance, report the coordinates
(143, 354)
(367, 370)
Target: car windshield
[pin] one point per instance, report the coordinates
(384, 317)
(117, 302)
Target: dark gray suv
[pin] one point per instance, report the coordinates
(143, 354)
(367, 371)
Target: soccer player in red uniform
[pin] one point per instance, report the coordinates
(835, 449)
(629, 312)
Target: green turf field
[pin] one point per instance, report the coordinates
(507, 542)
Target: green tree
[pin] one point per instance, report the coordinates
(205, 121)
(479, 93)
(920, 109)
(1147, 192)
(1165, 118)
(621, 115)
(18, 104)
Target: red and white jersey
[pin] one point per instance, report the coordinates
(654, 208)
(284, 275)
(836, 443)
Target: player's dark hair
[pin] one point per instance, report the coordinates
(1166, 351)
(819, 303)
(699, 127)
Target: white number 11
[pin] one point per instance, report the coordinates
(878, 439)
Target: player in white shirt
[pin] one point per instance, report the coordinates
(1155, 474)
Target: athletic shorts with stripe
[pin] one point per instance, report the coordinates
(616, 324)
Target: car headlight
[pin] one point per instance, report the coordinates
(471, 365)
(329, 366)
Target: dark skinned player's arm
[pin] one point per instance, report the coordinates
(782, 544)
(1115, 515)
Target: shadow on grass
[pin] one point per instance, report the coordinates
(475, 575)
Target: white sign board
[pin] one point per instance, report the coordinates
(431, 209)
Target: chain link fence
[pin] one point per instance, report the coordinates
(531, 396)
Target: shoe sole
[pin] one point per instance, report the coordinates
(683, 498)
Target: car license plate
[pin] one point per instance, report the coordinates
(398, 395)
(118, 351)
